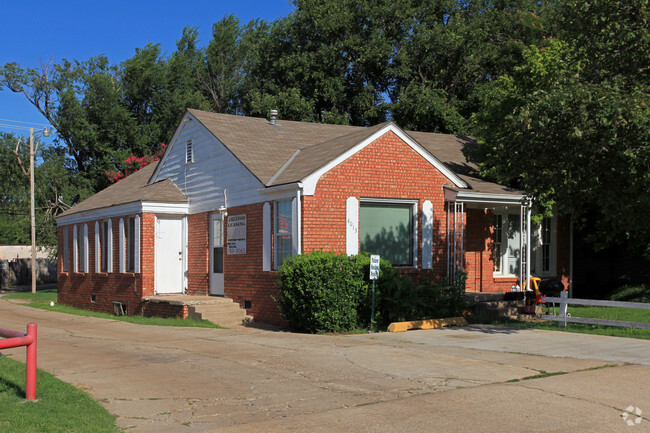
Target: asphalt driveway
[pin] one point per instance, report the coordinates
(488, 379)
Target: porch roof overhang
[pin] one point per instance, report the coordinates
(135, 207)
(278, 192)
(484, 199)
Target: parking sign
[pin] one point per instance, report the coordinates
(374, 267)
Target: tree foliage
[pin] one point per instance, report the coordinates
(570, 124)
(52, 181)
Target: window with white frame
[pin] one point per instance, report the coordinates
(507, 244)
(130, 244)
(543, 253)
(106, 241)
(83, 249)
(75, 248)
(283, 231)
(66, 249)
(387, 228)
(498, 236)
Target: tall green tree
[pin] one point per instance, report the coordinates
(14, 193)
(223, 69)
(571, 124)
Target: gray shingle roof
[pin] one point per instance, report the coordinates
(264, 148)
(449, 150)
(289, 151)
(132, 189)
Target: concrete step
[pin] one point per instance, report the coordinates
(499, 304)
(223, 313)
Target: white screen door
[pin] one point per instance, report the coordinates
(216, 255)
(169, 255)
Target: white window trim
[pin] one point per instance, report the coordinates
(553, 253)
(66, 250)
(75, 249)
(122, 262)
(137, 245)
(267, 252)
(98, 247)
(109, 246)
(411, 202)
(352, 226)
(275, 230)
(84, 239)
(427, 235)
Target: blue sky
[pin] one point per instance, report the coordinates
(33, 32)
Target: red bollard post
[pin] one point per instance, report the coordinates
(30, 382)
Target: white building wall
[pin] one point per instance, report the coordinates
(213, 170)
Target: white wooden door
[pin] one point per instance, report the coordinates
(217, 252)
(169, 255)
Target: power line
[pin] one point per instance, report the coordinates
(26, 123)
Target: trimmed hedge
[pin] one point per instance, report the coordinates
(328, 292)
(321, 292)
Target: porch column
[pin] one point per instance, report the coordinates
(524, 260)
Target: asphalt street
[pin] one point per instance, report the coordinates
(475, 378)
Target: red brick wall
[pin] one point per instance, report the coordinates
(243, 275)
(198, 252)
(387, 168)
(162, 309)
(147, 253)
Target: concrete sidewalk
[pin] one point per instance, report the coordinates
(162, 379)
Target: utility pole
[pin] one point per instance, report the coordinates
(32, 152)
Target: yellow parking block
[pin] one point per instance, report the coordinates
(426, 324)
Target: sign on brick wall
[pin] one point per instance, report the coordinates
(237, 234)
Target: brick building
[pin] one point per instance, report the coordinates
(233, 196)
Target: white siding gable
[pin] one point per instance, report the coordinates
(213, 170)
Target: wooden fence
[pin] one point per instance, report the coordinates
(562, 318)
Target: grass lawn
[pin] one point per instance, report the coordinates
(607, 313)
(610, 313)
(60, 407)
(42, 299)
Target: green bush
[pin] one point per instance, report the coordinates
(328, 292)
(401, 300)
(321, 291)
(626, 293)
(443, 299)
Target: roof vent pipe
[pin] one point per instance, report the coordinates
(273, 117)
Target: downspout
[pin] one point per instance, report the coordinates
(528, 213)
(299, 221)
(570, 257)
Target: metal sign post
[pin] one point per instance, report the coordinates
(374, 276)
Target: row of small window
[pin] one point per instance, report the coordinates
(128, 246)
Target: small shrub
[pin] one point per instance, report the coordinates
(401, 300)
(321, 291)
(443, 299)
